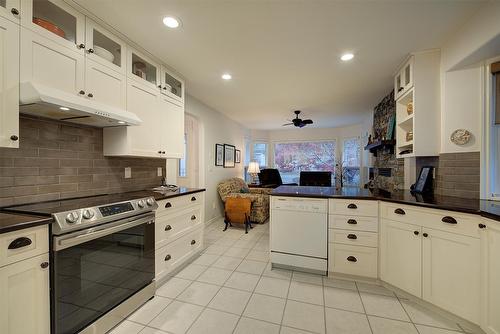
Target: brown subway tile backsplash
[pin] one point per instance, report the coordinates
(61, 160)
(458, 174)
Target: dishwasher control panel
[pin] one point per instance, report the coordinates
(299, 204)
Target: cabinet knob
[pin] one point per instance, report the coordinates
(482, 226)
(400, 89)
(82, 92)
(352, 236)
(193, 199)
(164, 88)
(159, 86)
(168, 257)
(352, 206)
(90, 95)
(449, 220)
(14, 138)
(14, 11)
(425, 235)
(81, 46)
(168, 205)
(352, 222)
(44, 265)
(352, 259)
(416, 232)
(193, 217)
(162, 152)
(168, 228)
(90, 50)
(193, 242)
(400, 211)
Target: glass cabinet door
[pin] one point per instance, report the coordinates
(105, 48)
(10, 9)
(142, 68)
(58, 21)
(172, 86)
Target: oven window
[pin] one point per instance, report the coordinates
(93, 277)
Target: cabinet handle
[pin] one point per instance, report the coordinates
(162, 152)
(449, 220)
(44, 265)
(90, 95)
(193, 217)
(14, 138)
(352, 206)
(20, 242)
(82, 92)
(81, 46)
(193, 199)
(482, 226)
(352, 259)
(168, 205)
(425, 235)
(400, 89)
(352, 236)
(90, 50)
(352, 221)
(168, 228)
(168, 257)
(400, 211)
(14, 11)
(193, 242)
(165, 88)
(416, 232)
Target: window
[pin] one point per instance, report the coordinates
(182, 162)
(493, 122)
(260, 154)
(351, 151)
(291, 158)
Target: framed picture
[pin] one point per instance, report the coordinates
(229, 153)
(219, 155)
(237, 158)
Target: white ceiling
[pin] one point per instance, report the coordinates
(284, 55)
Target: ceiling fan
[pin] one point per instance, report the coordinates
(300, 123)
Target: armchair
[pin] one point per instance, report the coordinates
(236, 187)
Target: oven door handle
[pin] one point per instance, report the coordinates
(77, 238)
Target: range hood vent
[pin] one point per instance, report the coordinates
(39, 100)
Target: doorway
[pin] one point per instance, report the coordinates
(188, 173)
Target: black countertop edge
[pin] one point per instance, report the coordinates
(171, 194)
(10, 221)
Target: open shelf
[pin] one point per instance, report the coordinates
(381, 144)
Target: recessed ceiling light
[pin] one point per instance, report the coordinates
(64, 108)
(121, 122)
(347, 56)
(171, 22)
(226, 76)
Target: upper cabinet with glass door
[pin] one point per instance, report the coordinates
(56, 20)
(143, 69)
(105, 48)
(403, 81)
(172, 86)
(10, 9)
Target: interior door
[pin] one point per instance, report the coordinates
(400, 256)
(105, 85)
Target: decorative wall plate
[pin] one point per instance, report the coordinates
(460, 137)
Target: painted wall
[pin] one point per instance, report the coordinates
(214, 128)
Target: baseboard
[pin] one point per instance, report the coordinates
(213, 220)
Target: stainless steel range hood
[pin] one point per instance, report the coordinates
(39, 100)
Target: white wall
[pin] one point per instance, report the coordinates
(214, 128)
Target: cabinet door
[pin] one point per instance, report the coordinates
(56, 21)
(24, 297)
(143, 70)
(48, 63)
(9, 84)
(407, 75)
(491, 277)
(398, 85)
(10, 9)
(172, 86)
(105, 48)
(172, 128)
(451, 272)
(400, 256)
(105, 85)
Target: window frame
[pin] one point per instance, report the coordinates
(252, 156)
(358, 166)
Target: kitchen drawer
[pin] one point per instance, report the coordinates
(368, 208)
(449, 221)
(357, 238)
(369, 224)
(180, 202)
(171, 256)
(352, 260)
(169, 227)
(23, 244)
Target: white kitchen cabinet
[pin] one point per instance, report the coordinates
(172, 128)
(403, 80)
(172, 86)
(143, 70)
(490, 269)
(451, 272)
(105, 85)
(10, 9)
(105, 48)
(66, 23)
(9, 84)
(24, 288)
(401, 256)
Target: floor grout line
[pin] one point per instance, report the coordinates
(364, 308)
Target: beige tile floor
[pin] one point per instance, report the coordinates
(230, 288)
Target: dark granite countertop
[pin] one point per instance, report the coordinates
(489, 209)
(17, 221)
(179, 192)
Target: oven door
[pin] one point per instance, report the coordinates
(96, 269)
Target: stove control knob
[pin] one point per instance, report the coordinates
(72, 217)
(88, 214)
(141, 203)
(150, 201)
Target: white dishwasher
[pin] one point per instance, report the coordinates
(299, 232)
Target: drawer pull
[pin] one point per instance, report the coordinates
(352, 259)
(193, 199)
(352, 206)
(400, 211)
(449, 220)
(168, 228)
(168, 205)
(193, 217)
(44, 265)
(352, 236)
(352, 221)
(193, 242)
(168, 257)
(20, 242)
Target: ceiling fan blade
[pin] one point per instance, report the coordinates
(307, 121)
(287, 124)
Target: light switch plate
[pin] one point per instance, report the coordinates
(160, 171)
(128, 172)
